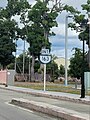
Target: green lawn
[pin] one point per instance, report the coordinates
(49, 87)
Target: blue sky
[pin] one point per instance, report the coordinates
(58, 41)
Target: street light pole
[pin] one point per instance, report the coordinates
(89, 40)
(66, 42)
(89, 43)
(66, 46)
(83, 24)
(82, 77)
(29, 67)
(82, 28)
(23, 57)
(15, 56)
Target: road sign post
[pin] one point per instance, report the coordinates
(45, 58)
(44, 77)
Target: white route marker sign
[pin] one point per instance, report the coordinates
(45, 58)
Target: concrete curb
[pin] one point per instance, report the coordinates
(59, 112)
(45, 94)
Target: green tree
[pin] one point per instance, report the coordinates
(7, 36)
(20, 64)
(11, 66)
(62, 70)
(42, 20)
(16, 7)
(76, 64)
(83, 27)
(52, 70)
(9, 30)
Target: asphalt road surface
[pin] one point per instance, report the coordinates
(11, 112)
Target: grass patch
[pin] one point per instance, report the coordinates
(50, 87)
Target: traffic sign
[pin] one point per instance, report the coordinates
(45, 58)
(45, 51)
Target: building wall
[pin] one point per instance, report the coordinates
(61, 61)
(7, 77)
(3, 76)
(10, 77)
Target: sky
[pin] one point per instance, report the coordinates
(58, 41)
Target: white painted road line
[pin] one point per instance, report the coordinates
(8, 103)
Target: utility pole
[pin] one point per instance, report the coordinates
(83, 28)
(66, 42)
(82, 77)
(29, 69)
(15, 57)
(29, 56)
(24, 58)
(89, 39)
(66, 46)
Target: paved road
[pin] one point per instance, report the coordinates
(82, 108)
(11, 112)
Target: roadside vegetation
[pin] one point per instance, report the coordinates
(56, 87)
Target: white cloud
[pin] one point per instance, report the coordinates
(76, 3)
(60, 30)
(31, 2)
(58, 46)
(20, 46)
(61, 53)
(3, 3)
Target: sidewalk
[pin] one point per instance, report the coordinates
(57, 95)
(54, 109)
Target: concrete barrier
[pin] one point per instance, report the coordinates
(59, 112)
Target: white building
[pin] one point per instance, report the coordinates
(61, 61)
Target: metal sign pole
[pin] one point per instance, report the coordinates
(44, 77)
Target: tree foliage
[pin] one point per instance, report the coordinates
(20, 64)
(52, 70)
(42, 21)
(62, 70)
(76, 64)
(80, 22)
(9, 30)
(7, 36)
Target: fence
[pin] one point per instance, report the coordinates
(37, 77)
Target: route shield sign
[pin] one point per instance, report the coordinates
(45, 58)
